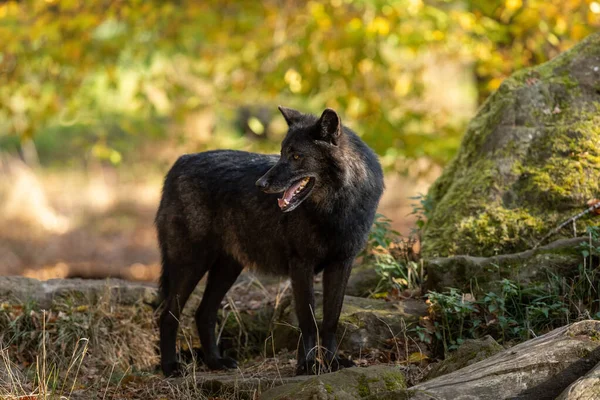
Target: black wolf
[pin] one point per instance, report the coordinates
(306, 211)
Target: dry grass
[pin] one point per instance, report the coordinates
(52, 354)
(106, 351)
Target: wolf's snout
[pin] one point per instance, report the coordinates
(262, 183)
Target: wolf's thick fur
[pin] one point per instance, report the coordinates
(213, 218)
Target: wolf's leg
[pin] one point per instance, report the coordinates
(220, 280)
(302, 275)
(335, 278)
(188, 275)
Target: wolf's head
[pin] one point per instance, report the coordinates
(308, 157)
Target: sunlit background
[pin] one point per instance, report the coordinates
(98, 99)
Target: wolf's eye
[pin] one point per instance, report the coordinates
(296, 156)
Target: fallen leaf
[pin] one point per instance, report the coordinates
(416, 357)
(593, 202)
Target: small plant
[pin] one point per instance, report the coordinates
(457, 317)
(390, 256)
(381, 235)
(422, 210)
(585, 288)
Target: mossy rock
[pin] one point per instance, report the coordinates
(75, 291)
(347, 384)
(470, 352)
(529, 160)
(364, 323)
(363, 280)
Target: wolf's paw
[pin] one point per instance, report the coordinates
(314, 367)
(307, 367)
(222, 363)
(340, 363)
(172, 370)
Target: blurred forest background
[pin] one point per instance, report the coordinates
(98, 99)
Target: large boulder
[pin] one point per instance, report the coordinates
(529, 160)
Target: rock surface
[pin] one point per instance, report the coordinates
(44, 293)
(363, 280)
(347, 384)
(585, 388)
(538, 369)
(238, 385)
(529, 160)
(470, 352)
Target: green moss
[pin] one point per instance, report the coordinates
(328, 388)
(363, 388)
(351, 319)
(583, 353)
(496, 229)
(560, 166)
(394, 381)
(354, 308)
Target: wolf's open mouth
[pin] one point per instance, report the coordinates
(296, 193)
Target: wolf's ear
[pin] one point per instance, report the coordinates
(291, 116)
(331, 126)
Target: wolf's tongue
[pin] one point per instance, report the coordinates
(288, 194)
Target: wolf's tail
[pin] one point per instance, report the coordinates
(164, 282)
(163, 285)
(160, 222)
